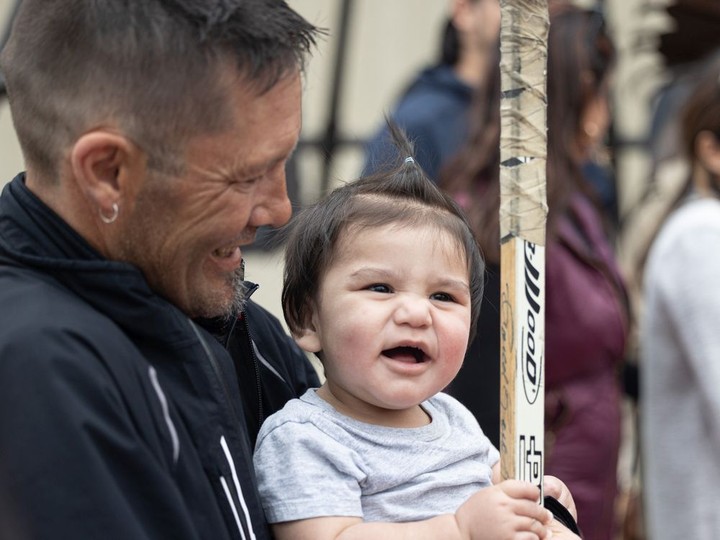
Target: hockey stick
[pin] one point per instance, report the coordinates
(523, 213)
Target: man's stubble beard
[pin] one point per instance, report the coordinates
(135, 249)
(240, 287)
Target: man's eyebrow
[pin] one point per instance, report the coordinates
(253, 168)
(237, 169)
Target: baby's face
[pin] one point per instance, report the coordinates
(392, 318)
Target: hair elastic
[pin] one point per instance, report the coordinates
(409, 159)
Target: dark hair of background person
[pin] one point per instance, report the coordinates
(402, 195)
(450, 43)
(693, 33)
(700, 112)
(579, 47)
(146, 64)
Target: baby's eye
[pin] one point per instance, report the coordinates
(443, 297)
(379, 287)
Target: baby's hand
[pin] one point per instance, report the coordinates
(506, 511)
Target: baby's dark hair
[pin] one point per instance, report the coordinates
(403, 195)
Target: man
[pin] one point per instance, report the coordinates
(155, 134)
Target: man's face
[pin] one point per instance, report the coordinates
(185, 232)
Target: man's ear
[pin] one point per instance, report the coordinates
(103, 164)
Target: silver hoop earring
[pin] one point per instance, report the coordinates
(113, 217)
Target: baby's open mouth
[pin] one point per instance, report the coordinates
(406, 354)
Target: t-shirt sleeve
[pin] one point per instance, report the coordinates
(493, 455)
(303, 472)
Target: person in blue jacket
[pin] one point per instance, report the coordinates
(435, 108)
(134, 371)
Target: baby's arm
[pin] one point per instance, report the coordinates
(348, 528)
(506, 511)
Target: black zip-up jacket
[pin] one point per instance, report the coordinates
(119, 416)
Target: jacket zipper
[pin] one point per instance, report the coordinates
(256, 368)
(218, 373)
(223, 443)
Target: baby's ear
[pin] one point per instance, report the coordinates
(308, 340)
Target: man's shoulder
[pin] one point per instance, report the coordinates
(36, 306)
(48, 331)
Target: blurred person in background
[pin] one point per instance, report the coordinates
(587, 314)
(679, 340)
(435, 108)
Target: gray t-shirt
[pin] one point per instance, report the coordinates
(311, 461)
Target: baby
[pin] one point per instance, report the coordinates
(383, 282)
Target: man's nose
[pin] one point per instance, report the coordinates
(273, 206)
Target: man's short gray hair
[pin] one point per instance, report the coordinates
(151, 68)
